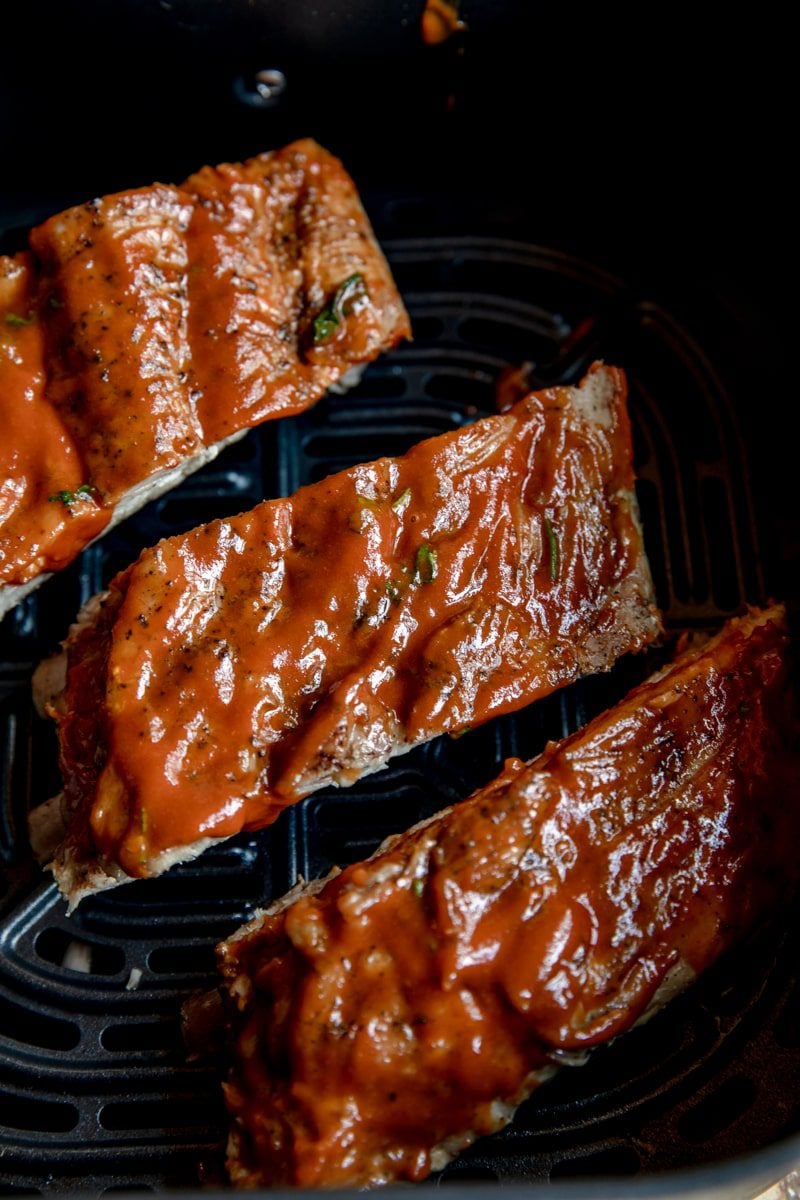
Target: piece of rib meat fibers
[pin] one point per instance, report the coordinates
(383, 1019)
(150, 328)
(237, 668)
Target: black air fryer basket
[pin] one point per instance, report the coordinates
(549, 191)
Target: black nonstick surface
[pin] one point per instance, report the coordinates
(554, 238)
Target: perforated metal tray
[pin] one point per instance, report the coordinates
(95, 1094)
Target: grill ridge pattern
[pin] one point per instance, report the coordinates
(95, 1094)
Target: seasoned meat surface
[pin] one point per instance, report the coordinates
(151, 326)
(270, 243)
(118, 352)
(380, 1021)
(38, 456)
(257, 659)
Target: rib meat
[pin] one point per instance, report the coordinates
(381, 1020)
(38, 455)
(233, 670)
(150, 327)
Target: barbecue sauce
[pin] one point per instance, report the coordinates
(158, 322)
(258, 658)
(380, 1025)
(44, 514)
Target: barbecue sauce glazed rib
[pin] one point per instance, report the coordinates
(253, 660)
(39, 458)
(270, 242)
(151, 325)
(380, 1024)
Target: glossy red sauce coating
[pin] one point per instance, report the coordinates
(118, 350)
(38, 457)
(380, 1024)
(270, 242)
(153, 323)
(258, 658)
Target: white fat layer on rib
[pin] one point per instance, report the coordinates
(592, 399)
(77, 879)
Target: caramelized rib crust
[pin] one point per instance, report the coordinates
(383, 1020)
(259, 658)
(154, 324)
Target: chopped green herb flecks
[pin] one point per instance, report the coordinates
(459, 733)
(345, 297)
(69, 498)
(426, 566)
(418, 887)
(356, 519)
(54, 302)
(15, 319)
(402, 501)
(552, 542)
(393, 591)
